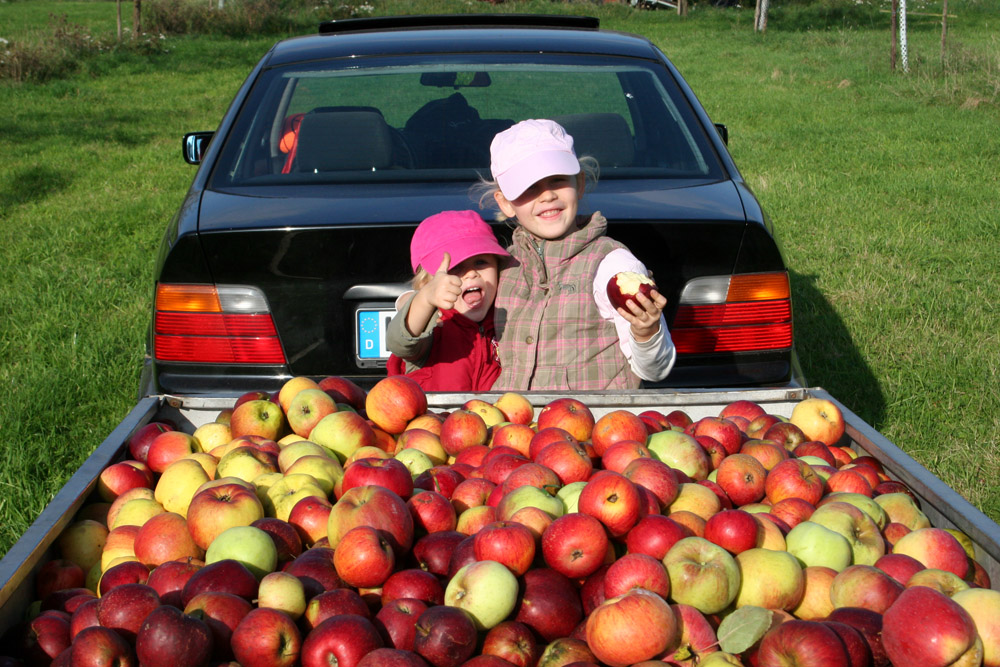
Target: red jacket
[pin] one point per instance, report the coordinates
(463, 356)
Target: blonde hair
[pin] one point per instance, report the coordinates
(484, 190)
(420, 278)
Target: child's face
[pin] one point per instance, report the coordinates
(547, 210)
(479, 285)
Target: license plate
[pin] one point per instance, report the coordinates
(371, 325)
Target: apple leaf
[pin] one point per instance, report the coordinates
(741, 629)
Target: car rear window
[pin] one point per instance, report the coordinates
(338, 122)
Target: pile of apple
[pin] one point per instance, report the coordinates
(327, 526)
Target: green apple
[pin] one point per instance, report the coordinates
(814, 544)
(290, 489)
(485, 589)
(702, 574)
(295, 450)
(325, 470)
(569, 494)
(248, 545)
(769, 579)
(529, 496)
(415, 461)
(861, 531)
(283, 591)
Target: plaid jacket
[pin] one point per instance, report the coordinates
(550, 332)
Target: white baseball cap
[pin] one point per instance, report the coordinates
(529, 151)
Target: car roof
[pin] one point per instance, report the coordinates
(422, 34)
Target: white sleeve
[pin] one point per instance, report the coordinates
(652, 359)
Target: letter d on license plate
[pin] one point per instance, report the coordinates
(371, 325)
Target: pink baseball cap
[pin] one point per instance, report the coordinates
(529, 151)
(462, 234)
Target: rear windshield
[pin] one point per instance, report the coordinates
(340, 123)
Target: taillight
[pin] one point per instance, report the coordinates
(214, 324)
(739, 313)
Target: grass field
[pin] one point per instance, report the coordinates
(882, 185)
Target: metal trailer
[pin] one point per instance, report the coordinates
(944, 507)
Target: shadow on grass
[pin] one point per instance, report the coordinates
(122, 129)
(829, 357)
(31, 184)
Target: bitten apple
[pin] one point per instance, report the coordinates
(625, 285)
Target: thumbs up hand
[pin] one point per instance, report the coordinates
(444, 289)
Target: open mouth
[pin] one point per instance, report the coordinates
(473, 296)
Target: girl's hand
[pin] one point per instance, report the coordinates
(644, 315)
(444, 289)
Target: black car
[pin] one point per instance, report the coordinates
(293, 241)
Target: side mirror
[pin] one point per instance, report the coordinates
(723, 132)
(195, 144)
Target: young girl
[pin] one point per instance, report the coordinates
(442, 334)
(555, 323)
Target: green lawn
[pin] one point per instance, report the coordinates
(882, 186)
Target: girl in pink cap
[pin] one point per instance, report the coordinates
(443, 334)
(555, 324)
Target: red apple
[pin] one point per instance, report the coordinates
(869, 624)
(391, 657)
(165, 537)
(125, 607)
(513, 435)
(625, 285)
(394, 401)
(654, 534)
(935, 548)
(431, 512)
(267, 637)
(549, 603)
(228, 576)
(257, 417)
(463, 429)
(446, 636)
(309, 518)
(334, 602)
(221, 612)
(413, 583)
(168, 579)
(217, 508)
(786, 435)
(169, 637)
(443, 478)
(742, 477)
(340, 640)
(506, 542)
(126, 572)
(613, 500)
(45, 637)
(119, 477)
(514, 642)
(397, 621)
(575, 545)
(767, 452)
(568, 459)
(630, 628)
(169, 446)
(364, 557)
(793, 478)
(58, 574)
(926, 627)
(804, 644)
(373, 506)
(656, 476)
(433, 551)
(734, 530)
(97, 646)
(138, 444)
(342, 390)
(864, 586)
(545, 437)
(757, 427)
(697, 638)
(899, 566)
(616, 426)
(858, 653)
(636, 571)
(723, 430)
(388, 473)
(569, 414)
